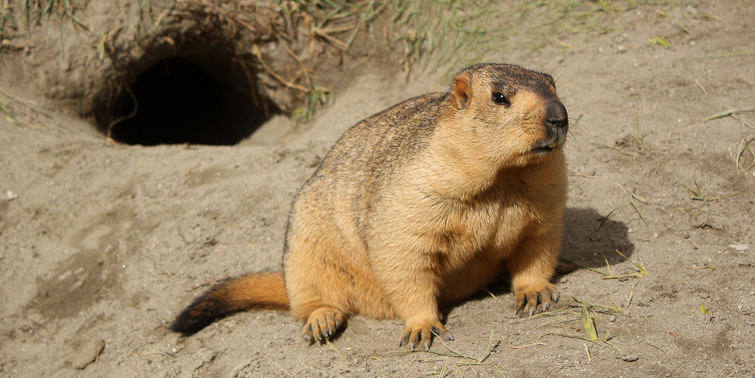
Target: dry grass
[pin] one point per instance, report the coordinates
(697, 194)
(6, 18)
(427, 34)
(453, 34)
(586, 313)
(22, 112)
(33, 11)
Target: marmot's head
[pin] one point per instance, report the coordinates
(509, 113)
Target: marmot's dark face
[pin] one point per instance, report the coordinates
(515, 114)
(556, 124)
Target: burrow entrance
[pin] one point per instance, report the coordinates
(212, 74)
(202, 97)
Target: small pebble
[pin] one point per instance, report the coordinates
(10, 196)
(629, 358)
(739, 247)
(87, 353)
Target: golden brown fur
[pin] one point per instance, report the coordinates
(426, 203)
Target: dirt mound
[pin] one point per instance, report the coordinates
(171, 72)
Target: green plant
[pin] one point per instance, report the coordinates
(10, 116)
(7, 24)
(697, 194)
(41, 8)
(315, 98)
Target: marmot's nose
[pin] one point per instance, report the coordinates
(555, 115)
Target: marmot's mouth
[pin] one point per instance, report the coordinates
(547, 146)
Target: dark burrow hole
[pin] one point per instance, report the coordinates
(187, 99)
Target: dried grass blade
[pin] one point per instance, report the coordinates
(587, 322)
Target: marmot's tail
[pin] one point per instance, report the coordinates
(257, 290)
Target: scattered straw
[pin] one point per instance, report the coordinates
(655, 346)
(602, 221)
(528, 345)
(281, 368)
(587, 351)
(631, 294)
(589, 325)
(582, 266)
(701, 86)
(718, 56)
(698, 195)
(256, 51)
(398, 373)
(343, 366)
(637, 209)
(639, 266)
(728, 113)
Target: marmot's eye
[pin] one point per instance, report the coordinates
(500, 99)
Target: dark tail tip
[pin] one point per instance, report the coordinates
(201, 313)
(258, 290)
(188, 324)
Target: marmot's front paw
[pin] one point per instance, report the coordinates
(322, 324)
(530, 295)
(417, 332)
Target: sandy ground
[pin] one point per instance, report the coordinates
(102, 244)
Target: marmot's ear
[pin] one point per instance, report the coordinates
(462, 91)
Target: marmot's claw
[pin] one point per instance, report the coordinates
(535, 296)
(322, 324)
(420, 333)
(443, 333)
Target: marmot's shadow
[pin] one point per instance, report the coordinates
(582, 245)
(584, 241)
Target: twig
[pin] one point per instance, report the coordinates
(582, 174)
(123, 118)
(724, 55)
(324, 33)
(602, 221)
(582, 266)
(631, 293)
(637, 209)
(528, 345)
(588, 352)
(258, 54)
(638, 198)
(655, 346)
(304, 69)
(487, 349)
(701, 86)
(16, 98)
(728, 113)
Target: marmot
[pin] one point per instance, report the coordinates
(419, 206)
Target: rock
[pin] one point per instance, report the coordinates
(739, 247)
(87, 354)
(629, 358)
(10, 196)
